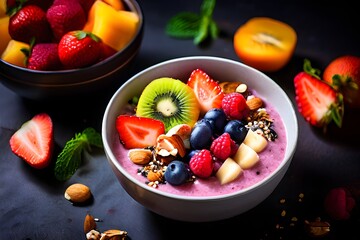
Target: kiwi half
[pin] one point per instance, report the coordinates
(170, 101)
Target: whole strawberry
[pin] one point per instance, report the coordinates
(343, 73)
(65, 16)
(27, 22)
(79, 49)
(202, 164)
(44, 56)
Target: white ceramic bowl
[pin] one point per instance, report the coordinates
(200, 209)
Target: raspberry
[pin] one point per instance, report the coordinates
(201, 164)
(223, 147)
(339, 203)
(234, 106)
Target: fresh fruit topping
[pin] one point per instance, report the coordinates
(234, 106)
(265, 43)
(44, 56)
(138, 132)
(207, 91)
(34, 141)
(246, 156)
(343, 73)
(170, 101)
(316, 100)
(237, 130)
(255, 141)
(223, 147)
(339, 203)
(79, 49)
(70, 157)
(201, 164)
(30, 22)
(228, 171)
(217, 118)
(177, 173)
(65, 16)
(5, 36)
(202, 135)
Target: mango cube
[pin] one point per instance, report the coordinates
(4, 33)
(13, 53)
(116, 28)
(2, 8)
(116, 4)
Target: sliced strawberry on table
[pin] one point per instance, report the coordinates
(138, 132)
(34, 141)
(317, 101)
(207, 91)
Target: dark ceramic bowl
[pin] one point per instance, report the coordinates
(38, 85)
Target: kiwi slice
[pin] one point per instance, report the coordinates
(170, 101)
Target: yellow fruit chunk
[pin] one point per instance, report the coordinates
(2, 8)
(116, 4)
(265, 43)
(13, 53)
(115, 28)
(4, 33)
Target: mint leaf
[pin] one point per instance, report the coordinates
(193, 25)
(70, 158)
(183, 25)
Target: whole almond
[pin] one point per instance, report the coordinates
(254, 103)
(77, 193)
(140, 156)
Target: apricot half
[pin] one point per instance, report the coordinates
(265, 43)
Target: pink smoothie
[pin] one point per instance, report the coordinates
(270, 159)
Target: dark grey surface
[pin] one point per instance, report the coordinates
(32, 203)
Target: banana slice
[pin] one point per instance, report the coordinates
(228, 171)
(246, 157)
(255, 141)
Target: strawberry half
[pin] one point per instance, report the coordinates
(207, 91)
(34, 141)
(317, 101)
(138, 132)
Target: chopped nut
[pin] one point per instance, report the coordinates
(140, 156)
(77, 193)
(93, 235)
(254, 103)
(89, 223)
(170, 145)
(153, 176)
(317, 228)
(115, 234)
(229, 87)
(241, 88)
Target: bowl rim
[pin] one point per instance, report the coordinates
(290, 150)
(133, 6)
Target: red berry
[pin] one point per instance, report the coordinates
(234, 106)
(44, 56)
(223, 147)
(202, 164)
(339, 203)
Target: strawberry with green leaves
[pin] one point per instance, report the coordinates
(317, 101)
(79, 49)
(207, 91)
(34, 141)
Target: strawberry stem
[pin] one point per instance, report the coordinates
(310, 70)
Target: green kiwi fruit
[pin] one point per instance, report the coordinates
(170, 101)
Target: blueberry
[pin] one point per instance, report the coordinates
(201, 135)
(237, 130)
(177, 173)
(190, 154)
(217, 118)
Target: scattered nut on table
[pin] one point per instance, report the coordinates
(77, 193)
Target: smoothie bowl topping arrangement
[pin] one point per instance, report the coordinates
(199, 130)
